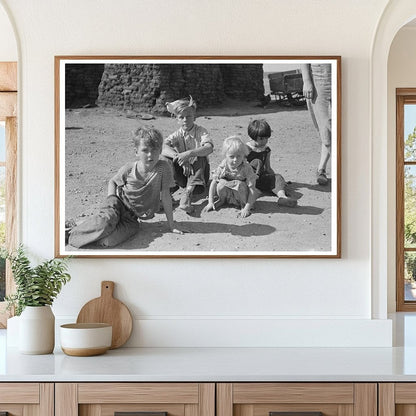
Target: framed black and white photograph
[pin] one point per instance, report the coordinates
(198, 156)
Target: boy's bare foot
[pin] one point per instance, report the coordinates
(286, 201)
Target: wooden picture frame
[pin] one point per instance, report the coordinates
(100, 100)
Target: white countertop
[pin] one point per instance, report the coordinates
(221, 364)
(215, 364)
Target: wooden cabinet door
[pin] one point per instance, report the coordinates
(297, 399)
(26, 399)
(144, 399)
(397, 399)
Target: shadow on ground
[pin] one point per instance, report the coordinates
(270, 207)
(294, 186)
(150, 231)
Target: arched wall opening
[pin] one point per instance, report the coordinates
(401, 74)
(396, 15)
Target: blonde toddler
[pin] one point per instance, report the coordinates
(234, 181)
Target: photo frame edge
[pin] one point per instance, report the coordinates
(57, 232)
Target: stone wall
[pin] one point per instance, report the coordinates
(243, 81)
(81, 84)
(147, 87)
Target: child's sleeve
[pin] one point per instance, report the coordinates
(172, 140)
(205, 138)
(120, 177)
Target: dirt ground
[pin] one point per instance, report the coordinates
(98, 143)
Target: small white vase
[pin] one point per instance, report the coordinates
(37, 330)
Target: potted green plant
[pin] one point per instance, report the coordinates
(36, 289)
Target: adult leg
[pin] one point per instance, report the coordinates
(324, 124)
(321, 112)
(325, 137)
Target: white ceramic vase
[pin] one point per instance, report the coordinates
(37, 330)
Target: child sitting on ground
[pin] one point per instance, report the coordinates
(133, 193)
(188, 148)
(259, 158)
(234, 181)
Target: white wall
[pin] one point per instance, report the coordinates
(8, 45)
(401, 74)
(215, 301)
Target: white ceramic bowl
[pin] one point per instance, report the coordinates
(85, 339)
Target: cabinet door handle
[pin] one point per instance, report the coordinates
(295, 413)
(139, 414)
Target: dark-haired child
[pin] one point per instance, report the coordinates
(134, 193)
(259, 132)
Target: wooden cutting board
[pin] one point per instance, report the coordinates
(111, 311)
